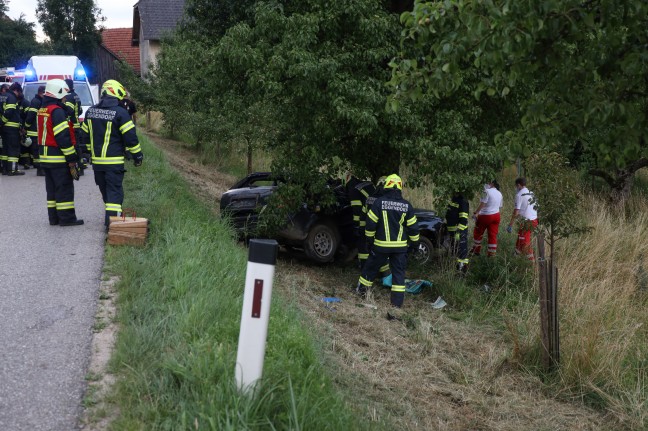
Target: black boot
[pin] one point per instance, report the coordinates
(77, 222)
(13, 170)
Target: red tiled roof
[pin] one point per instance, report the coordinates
(118, 41)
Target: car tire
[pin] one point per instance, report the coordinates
(322, 243)
(425, 251)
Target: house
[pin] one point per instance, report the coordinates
(116, 44)
(152, 19)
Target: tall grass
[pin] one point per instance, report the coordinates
(179, 308)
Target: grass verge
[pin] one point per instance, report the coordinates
(179, 308)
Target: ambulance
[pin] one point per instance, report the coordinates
(42, 68)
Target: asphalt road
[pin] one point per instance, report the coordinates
(49, 282)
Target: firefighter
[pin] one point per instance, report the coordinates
(457, 222)
(385, 272)
(32, 130)
(57, 155)
(487, 218)
(3, 155)
(391, 231)
(524, 209)
(109, 131)
(11, 123)
(358, 192)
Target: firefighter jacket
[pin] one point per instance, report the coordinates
(73, 108)
(3, 99)
(32, 116)
(457, 214)
(11, 111)
(358, 192)
(110, 131)
(54, 141)
(391, 222)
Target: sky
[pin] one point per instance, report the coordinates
(118, 13)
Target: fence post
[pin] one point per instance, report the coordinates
(255, 315)
(544, 304)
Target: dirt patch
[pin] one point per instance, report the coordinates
(207, 182)
(98, 411)
(426, 372)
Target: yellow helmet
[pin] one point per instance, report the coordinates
(393, 181)
(113, 88)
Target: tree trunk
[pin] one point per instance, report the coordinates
(621, 181)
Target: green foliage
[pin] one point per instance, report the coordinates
(71, 26)
(557, 195)
(577, 71)
(179, 317)
(17, 41)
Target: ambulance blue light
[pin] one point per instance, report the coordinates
(79, 74)
(30, 74)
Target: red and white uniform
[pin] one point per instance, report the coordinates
(529, 215)
(488, 219)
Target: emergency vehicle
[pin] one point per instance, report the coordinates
(42, 68)
(9, 75)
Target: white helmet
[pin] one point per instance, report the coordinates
(56, 88)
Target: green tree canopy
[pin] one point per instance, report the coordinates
(17, 40)
(71, 26)
(578, 71)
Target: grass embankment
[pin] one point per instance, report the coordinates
(179, 310)
(603, 294)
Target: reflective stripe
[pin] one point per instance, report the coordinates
(356, 218)
(370, 233)
(68, 151)
(60, 127)
(365, 282)
(113, 207)
(466, 261)
(12, 159)
(411, 221)
(386, 223)
(390, 244)
(462, 227)
(363, 256)
(463, 215)
(452, 228)
(9, 106)
(356, 203)
(51, 204)
(52, 159)
(136, 149)
(398, 288)
(363, 223)
(65, 206)
(126, 127)
(10, 123)
(108, 160)
(32, 133)
(415, 237)
(454, 204)
(32, 109)
(400, 230)
(106, 142)
(384, 268)
(364, 193)
(372, 216)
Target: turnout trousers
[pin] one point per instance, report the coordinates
(59, 187)
(112, 192)
(397, 264)
(486, 223)
(460, 247)
(523, 243)
(11, 145)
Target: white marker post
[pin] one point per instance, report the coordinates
(262, 258)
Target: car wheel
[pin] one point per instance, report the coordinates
(322, 243)
(424, 252)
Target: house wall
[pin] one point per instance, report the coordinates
(149, 49)
(105, 66)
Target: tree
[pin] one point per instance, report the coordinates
(577, 70)
(71, 26)
(17, 41)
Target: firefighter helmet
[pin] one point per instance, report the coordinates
(393, 181)
(56, 88)
(114, 89)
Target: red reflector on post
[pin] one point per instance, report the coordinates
(256, 298)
